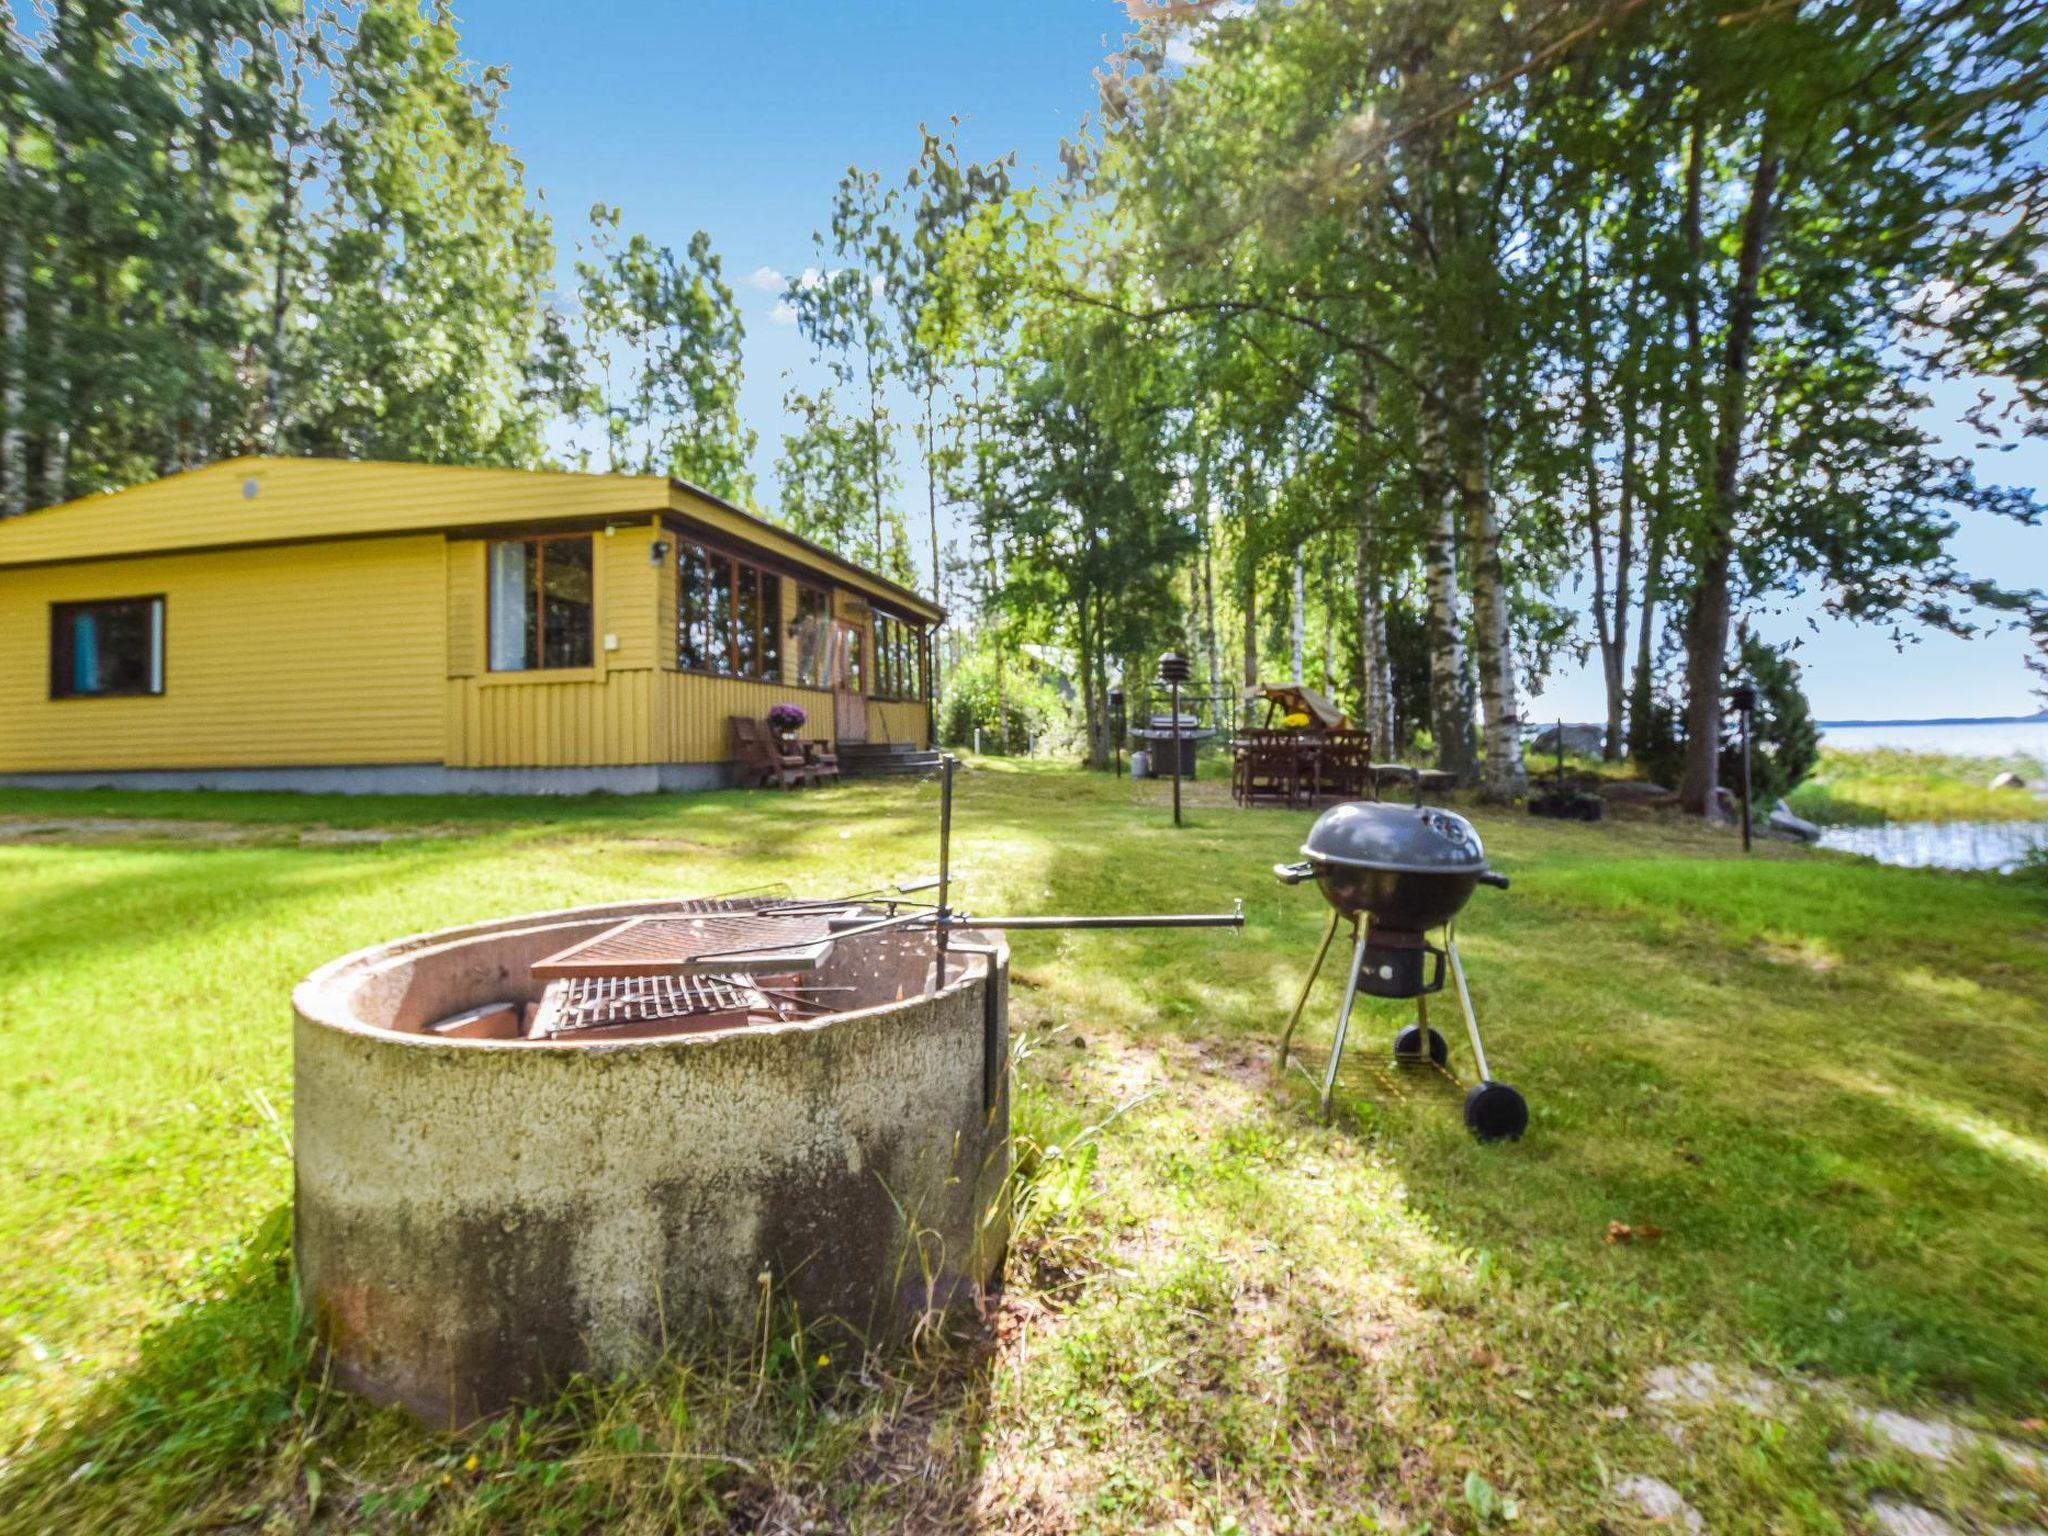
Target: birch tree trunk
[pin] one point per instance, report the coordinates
(57, 434)
(1706, 625)
(1297, 617)
(13, 334)
(1376, 692)
(1504, 778)
(1449, 721)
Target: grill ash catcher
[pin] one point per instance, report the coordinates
(1402, 873)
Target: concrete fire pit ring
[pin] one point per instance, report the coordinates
(479, 1218)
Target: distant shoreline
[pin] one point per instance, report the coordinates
(2040, 718)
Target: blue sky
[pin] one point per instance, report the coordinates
(739, 116)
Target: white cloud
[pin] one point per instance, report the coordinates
(766, 280)
(784, 313)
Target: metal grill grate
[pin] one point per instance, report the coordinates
(601, 1002)
(717, 941)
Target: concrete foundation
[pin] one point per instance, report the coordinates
(479, 1218)
(401, 779)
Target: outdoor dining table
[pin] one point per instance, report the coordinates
(1314, 756)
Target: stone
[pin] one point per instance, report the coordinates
(1579, 740)
(1895, 1517)
(1660, 1501)
(1635, 792)
(1700, 1385)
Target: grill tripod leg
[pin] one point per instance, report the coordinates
(1344, 1019)
(1287, 1035)
(1465, 1002)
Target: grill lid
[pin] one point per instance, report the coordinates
(1420, 840)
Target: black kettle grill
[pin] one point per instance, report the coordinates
(1401, 873)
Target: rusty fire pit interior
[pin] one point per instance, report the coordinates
(552, 1144)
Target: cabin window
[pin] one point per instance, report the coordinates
(107, 650)
(899, 658)
(811, 635)
(543, 603)
(728, 615)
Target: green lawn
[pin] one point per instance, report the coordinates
(1824, 1081)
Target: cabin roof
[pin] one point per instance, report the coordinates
(256, 500)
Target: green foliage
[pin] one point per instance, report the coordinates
(1785, 744)
(1011, 707)
(655, 361)
(434, 261)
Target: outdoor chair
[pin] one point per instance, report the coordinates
(1346, 765)
(1268, 764)
(822, 761)
(761, 757)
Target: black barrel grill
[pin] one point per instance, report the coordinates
(1401, 873)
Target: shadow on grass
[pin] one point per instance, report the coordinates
(224, 1420)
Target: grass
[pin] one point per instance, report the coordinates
(1870, 787)
(1821, 1080)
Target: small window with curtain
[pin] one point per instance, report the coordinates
(107, 650)
(543, 603)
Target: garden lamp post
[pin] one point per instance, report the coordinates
(1173, 671)
(1743, 697)
(1116, 727)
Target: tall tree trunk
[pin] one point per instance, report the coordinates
(13, 332)
(1504, 777)
(1248, 600)
(931, 484)
(1449, 721)
(1211, 642)
(1642, 691)
(1616, 629)
(291, 63)
(1706, 624)
(1376, 673)
(1297, 617)
(59, 361)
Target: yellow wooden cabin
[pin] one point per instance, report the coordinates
(322, 625)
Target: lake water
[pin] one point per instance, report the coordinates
(1998, 845)
(2027, 738)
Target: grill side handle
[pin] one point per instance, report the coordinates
(1494, 878)
(1294, 874)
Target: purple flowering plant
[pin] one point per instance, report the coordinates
(786, 717)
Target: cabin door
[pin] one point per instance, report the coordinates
(849, 673)
(849, 717)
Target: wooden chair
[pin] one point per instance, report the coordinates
(761, 757)
(821, 760)
(1347, 765)
(1268, 764)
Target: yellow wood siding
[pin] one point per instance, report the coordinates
(896, 721)
(467, 611)
(573, 723)
(701, 711)
(333, 656)
(313, 499)
(632, 587)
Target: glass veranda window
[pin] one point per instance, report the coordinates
(542, 603)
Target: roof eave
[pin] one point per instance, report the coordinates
(918, 600)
